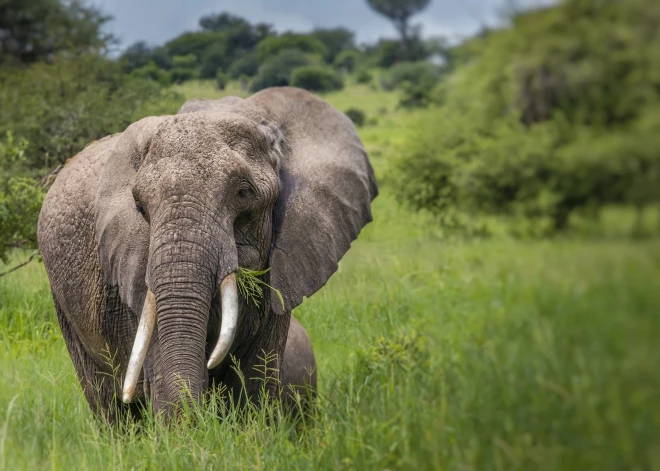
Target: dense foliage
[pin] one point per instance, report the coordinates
(57, 94)
(553, 116)
(61, 106)
(20, 199)
(39, 29)
(316, 79)
(558, 114)
(356, 115)
(276, 71)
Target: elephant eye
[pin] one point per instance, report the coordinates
(244, 192)
(140, 209)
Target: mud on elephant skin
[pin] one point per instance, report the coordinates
(142, 233)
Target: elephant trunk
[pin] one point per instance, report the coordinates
(182, 312)
(183, 276)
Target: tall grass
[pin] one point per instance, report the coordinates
(433, 354)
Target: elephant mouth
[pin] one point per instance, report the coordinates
(229, 320)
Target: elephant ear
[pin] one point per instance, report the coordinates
(122, 234)
(326, 188)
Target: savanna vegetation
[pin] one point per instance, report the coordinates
(501, 312)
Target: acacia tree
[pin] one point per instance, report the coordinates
(400, 12)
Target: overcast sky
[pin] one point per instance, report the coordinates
(156, 21)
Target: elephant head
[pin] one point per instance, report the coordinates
(279, 181)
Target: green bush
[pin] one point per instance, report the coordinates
(183, 68)
(276, 71)
(247, 65)
(189, 61)
(335, 41)
(364, 76)
(347, 60)
(20, 203)
(221, 80)
(539, 124)
(416, 73)
(182, 75)
(417, 95)
(216, 56)
(358, 116)
(388, 52)
(20, 199)
(274, 45)
(316, 79)
(152, 72)
(60, 107)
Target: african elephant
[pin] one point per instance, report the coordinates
(142, 234)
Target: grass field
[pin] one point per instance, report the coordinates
(434, 353)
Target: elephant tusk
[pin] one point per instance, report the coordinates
(140, 346)
(229, 320)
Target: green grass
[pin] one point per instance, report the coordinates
(433, 353)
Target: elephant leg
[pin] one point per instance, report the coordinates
(100, 387)
(298, 371)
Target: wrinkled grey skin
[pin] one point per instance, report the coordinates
(174, 204)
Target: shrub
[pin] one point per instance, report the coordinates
(60, 107)
(216, 56)
(540, 123)
(276, 71)
(335, 40)
(20, 199)
(544, 173)
(152, 72)
(274, 45)
(363, 76)
(20, 203)
(183, 68)
(182, 75)
(221, 80)
(358, 116)
(189, 61)
(247, 65)
(415, 73)
(386, 53)
(316, 79)
(347, 60)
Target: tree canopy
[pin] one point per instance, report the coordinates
(400, 12)
(31, 30)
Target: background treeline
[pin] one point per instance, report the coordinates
(552, 117)
(229, 47)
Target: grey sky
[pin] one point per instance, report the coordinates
(156, 21)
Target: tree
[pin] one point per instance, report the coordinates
(347, 60)
(277, 70)
(61, 106)
(335, 40)
(273, 45)
(241, 35)
(222, 22)
(38, 29)
(400, 12)
(316, 79)
(556, 116)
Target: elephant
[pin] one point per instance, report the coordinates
(142, 234)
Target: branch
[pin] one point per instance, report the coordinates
(32, 255)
